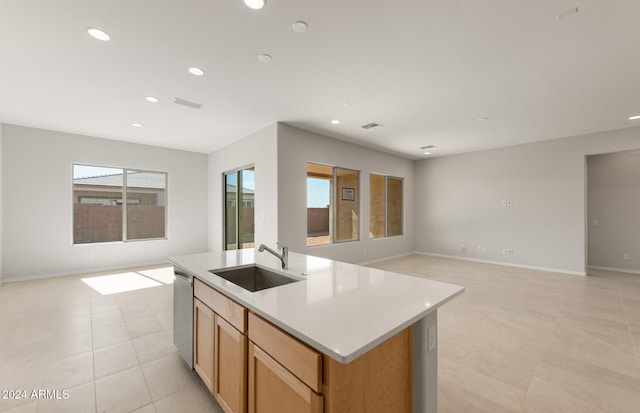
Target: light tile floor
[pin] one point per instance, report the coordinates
(529, 341)
(516, 341)
(113, 353)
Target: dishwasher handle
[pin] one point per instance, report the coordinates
(183, 276)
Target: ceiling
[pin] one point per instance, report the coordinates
(463, 75)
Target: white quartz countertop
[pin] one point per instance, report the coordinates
(340, 309)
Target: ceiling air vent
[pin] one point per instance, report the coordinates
(428, 147)
(372, 125)
(187, 103)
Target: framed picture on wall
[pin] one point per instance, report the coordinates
(348, 194)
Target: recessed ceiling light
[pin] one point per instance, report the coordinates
(98, 34)
(152, 99)
(136, 125)
(300, 26)
(634, 117)
(196, 71)
(264, 58)
(427, 153)
(335, 121)
(255, 4)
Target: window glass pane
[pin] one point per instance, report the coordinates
(146, 201)
(246, 217)
(319, 211)
(376, 206)
(230, 211)
(347, 227)
(394, 206)
(97, 204)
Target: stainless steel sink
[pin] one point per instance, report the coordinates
(254, 278)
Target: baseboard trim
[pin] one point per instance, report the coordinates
(505, 264)
(385, 258)
(91, 271)
(614, 269)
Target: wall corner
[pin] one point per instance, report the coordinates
(1, 202)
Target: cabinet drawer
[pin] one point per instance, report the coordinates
(298, 358)
(228, 309)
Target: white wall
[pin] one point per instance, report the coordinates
(458, 201)
(296, 147)
(614, 205)
(258, 149)
(38, 202)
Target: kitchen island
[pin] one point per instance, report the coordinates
(344, 312)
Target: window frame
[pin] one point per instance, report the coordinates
(334, 204)
(125, 238)
(238, 205)
(386, 209)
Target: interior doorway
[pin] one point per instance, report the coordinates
(613, 211)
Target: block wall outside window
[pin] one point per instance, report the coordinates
(333, 204)
(239, 212)
(99, 194)
(386, 205)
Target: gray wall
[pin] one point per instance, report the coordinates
(258, 149)
(296, 147)
(38, 202)
(614, 210)
(458, 201)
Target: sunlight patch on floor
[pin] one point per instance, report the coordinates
(164, 275)
(118, 283)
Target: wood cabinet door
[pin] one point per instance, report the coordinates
(230, 359)
(273, 389)
(203, 333)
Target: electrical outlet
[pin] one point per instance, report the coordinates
(504, 251)
(625, 257)
(432, 338)
(479, 249)
(510, 251)
(509, 202)
(503, 202)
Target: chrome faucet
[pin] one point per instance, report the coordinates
(284, 258)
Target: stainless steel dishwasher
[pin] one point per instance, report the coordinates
(183, 314)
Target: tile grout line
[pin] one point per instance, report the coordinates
(93, 356)
(546, 348)
(626, 317)
(146, 384)
(48, 363)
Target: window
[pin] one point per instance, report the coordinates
(99, 194)
(239, 222)
(332, 192)
(385, 203)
